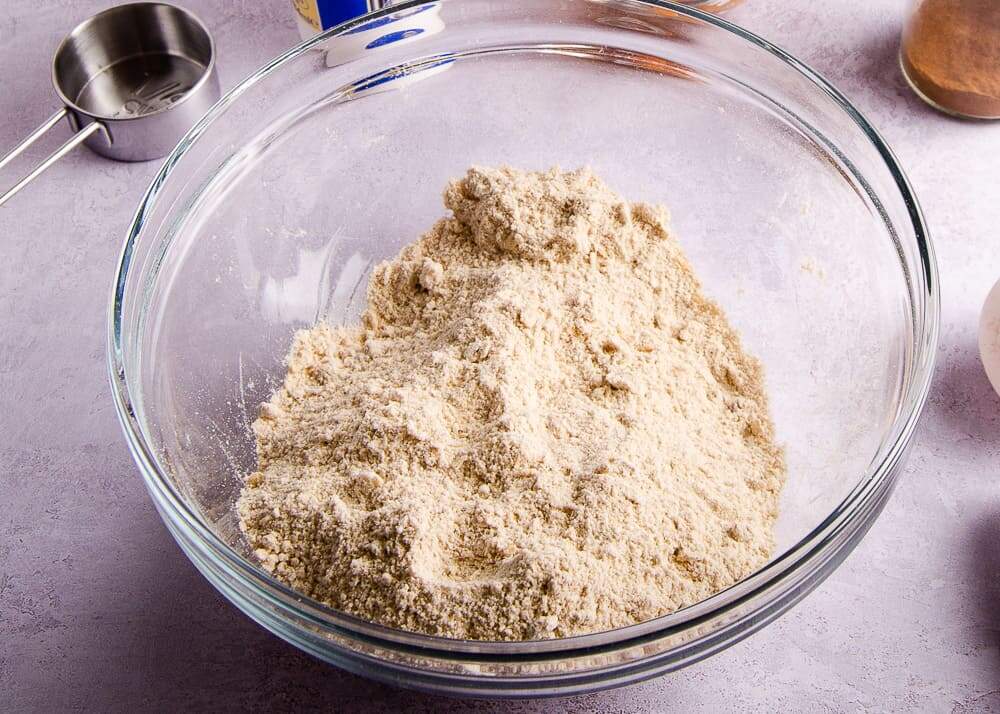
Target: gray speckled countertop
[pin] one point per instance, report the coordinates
(99, 610)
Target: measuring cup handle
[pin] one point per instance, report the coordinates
(51, 158)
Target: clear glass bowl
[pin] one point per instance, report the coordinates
(271, 213)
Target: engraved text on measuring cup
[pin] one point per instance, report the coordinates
(146, 99)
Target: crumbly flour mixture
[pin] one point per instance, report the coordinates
(541, 427)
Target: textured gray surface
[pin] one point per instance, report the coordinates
(99, 610)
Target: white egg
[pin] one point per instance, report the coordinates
(989, 336)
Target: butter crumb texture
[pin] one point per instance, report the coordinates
(540, 428)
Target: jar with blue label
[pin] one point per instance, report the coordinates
(314, 16)
(390, 28)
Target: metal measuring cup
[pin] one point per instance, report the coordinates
(133, 79)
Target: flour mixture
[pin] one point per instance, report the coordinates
(540, 428)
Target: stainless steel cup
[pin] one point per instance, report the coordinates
(133, 79)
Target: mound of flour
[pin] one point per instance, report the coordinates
(540, 428)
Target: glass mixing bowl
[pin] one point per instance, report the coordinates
(272, 211)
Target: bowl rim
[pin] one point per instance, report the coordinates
(820, 540)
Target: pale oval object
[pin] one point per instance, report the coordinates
(989, 336)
